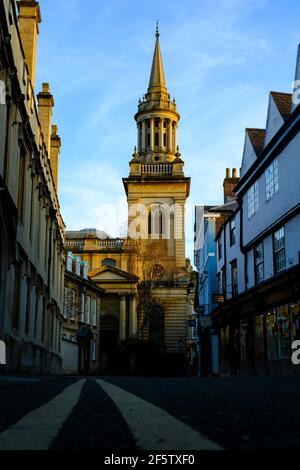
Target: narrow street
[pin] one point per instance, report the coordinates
(122, 413)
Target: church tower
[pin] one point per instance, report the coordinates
(157, 190)
(156, 187)
(147, 280)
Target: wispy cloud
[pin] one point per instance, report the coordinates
(221, 57)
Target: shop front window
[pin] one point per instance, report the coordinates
(284, 335)
(271, 332)
(225, 344)
(259, 338)
(295, 318)
(279, 333)
(244, 338)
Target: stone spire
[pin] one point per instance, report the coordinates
(157, 119)
(157, 81)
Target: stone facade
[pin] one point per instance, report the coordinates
(153, 253)
(31, 228)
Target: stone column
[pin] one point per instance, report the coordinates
(161, 137)
(174, 136)
(132, 318)
(143, 136)
(169, 148)
(152, 133)
(138, 136)
(122, 321)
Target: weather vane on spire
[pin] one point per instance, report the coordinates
(157, 30)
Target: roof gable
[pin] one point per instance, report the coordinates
(251, 149)
(283, 102)
(275, 119)
(110, 273)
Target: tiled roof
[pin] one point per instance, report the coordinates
(283, 102)
(257, 139)
(228, 207)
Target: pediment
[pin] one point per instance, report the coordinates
(108, 276)
(110, 273)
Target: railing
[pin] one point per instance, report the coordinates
(111, 243)
(79, 244)
(157, 169)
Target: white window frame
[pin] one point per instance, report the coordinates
(95, 312)
(259, 263)
(73, 299)
(279, 251)
(88, 310)
(272, 180)
(253, 200)
(82, 308)
(65, 302)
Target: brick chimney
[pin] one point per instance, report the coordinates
(45, 105)
(230, 182)
(29, 19)
(54, 154)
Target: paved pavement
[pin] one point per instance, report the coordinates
(122, 413)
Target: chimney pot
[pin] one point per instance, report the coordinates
(227, 172)
(234, 173)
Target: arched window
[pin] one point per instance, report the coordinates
(109, 262)
(159, 220)
(155, 220)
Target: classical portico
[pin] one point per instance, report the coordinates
(121, 286)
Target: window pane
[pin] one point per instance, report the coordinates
(259, 338)
(284, 340)
(272, 343)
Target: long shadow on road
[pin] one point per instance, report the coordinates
(235, 412)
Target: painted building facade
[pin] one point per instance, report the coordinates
(260, 316)
(207, 256)
(31, 228)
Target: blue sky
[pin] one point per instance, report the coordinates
(221, 59)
